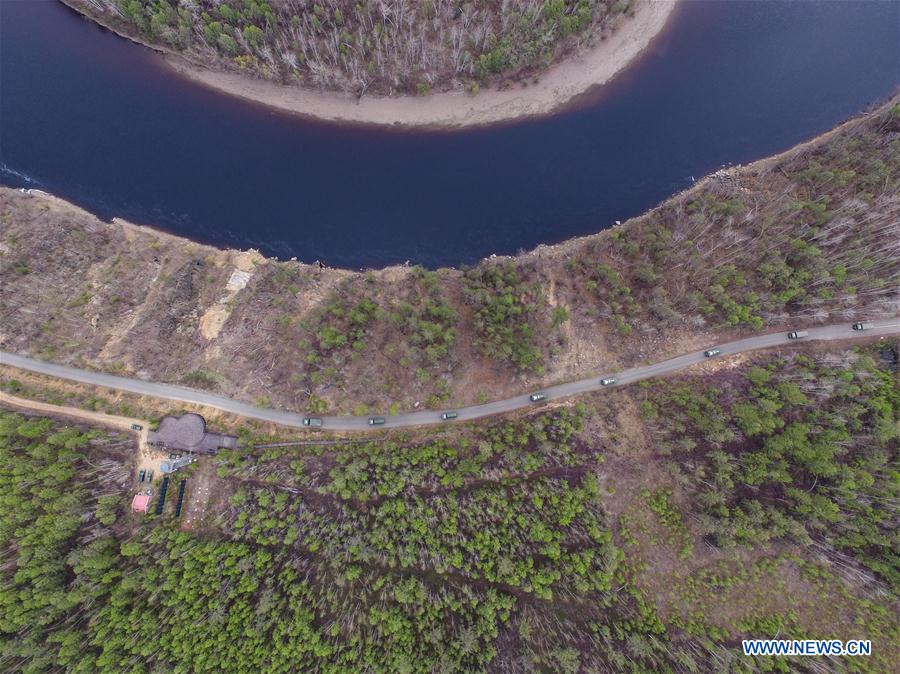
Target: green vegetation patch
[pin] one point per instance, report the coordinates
(505, 308)
(801, 447)
(57, 513)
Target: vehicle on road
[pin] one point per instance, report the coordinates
(149, 476)
(141, 475)
(608, 381)
(834, 331)
(312, 421)
(377, 421)
(798, 334)
(137, 427)
(447, 416)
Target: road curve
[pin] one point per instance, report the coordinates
(182, 394)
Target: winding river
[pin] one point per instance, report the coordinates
(104, 123)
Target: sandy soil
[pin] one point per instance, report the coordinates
(557, 86)
(150, 458)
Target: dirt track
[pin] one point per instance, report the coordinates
(119, 423)
(146, 457)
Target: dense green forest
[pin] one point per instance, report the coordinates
(796, 447)
(745, 502)
(365, 46)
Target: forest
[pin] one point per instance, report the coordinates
(753, 500)
(797, 447)
(367, 46)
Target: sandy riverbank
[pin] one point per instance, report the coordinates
(557, 86)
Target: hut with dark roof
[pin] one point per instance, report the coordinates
(188, 433)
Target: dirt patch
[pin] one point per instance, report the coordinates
(212, 321)
(149, 459)
(215, 317)
(204, 491)
(582, 347)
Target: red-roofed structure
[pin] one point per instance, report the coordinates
(140, 503)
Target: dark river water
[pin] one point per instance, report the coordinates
(98, 120)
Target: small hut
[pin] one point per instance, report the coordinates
(140, 503)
